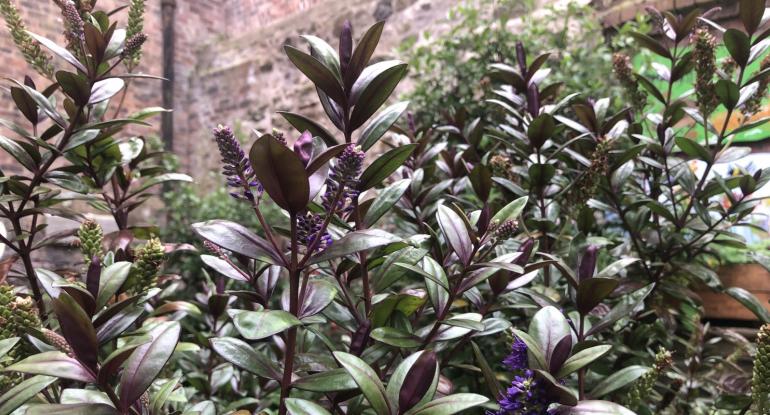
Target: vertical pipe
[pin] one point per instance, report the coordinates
(168, 9)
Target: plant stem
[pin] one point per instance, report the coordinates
(291, 336)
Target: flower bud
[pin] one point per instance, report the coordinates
(588, 263)
(643, 386)
(360, 338)
(346, 46)
(303, 147)
(91, 236)
(144, 272)
(760, 381)
(507, 230)
(133, 45)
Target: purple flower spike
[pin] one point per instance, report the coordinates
(343, 177)
(235, 165)
(518, 359)
(309, 229)
(525, 396)
(303, 147)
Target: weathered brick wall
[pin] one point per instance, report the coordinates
(243, 78)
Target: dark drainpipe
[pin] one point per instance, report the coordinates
(168, 9)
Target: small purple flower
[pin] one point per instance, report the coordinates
(343, 178)
(309, 229)
(518, 359)
(235, 165)
(525, 396)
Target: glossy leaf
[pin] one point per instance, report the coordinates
(302, 123)
(385, 200)
(77, 329)
(255, 325)
(396, 337)
(147, 361)
(296, 406)
(244, 356)
(547, 328)
(23, 392)
(317, 72)
(750, 302)
(225, 268)
(373, 88)
(355, 242)
(55, 364)
(582, 359)
(367, 380)
(593, 291)
(455, 232)
(318, 295)
(380, 124)
(618, 379)
(449, 405)
(384, 166)
(235, 237)
(334, 380)
(594, 408)
(281, 173)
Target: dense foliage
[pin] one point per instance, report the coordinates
(539, 262)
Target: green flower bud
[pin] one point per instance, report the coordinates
(760, 381)
(643, 386)
(90, 235)
(144, 273)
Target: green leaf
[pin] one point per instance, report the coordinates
(693, 149)
(72, 409)
(255, 325)
(7, 344)
(385, 200)
(511, 210)
(244, 356)
(751, 302)
(335, 380)
(582, 359)
(449, 405)
(651, 44)
(727, 92)
(302, 124)
(159, 398)
(489, 376)
(613, 269)
(317, 72)
(738, 44)
(593, 291)
(55, 364)
(113, 277)
(297, 406)
(160, 179)
(363, 52)
(455, 232)
(594, 408)
(281, 173)
(396, 337)
(24, 391)
(380, 124)
(324, 53)
(373, 88)
(18, 152)
(618, 379)
(146, 362)
(367, 380)
(355, 242)
(384, 166)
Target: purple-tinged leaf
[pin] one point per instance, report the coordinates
(55, 364)
(237, 238)
(147, 361)
(455, 233)
(560, 353)
(93, 275)
(588, 263)
(77, 329)
(363, 53)
(281, 172)
(318, 295)
(593, 291)
(418, 381)
(246, 357)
